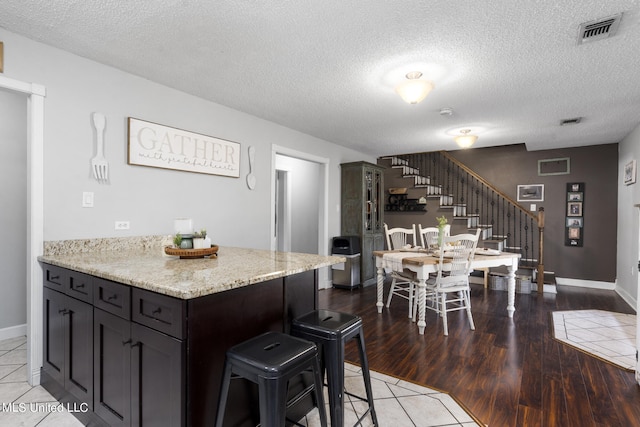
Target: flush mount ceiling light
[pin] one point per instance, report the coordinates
(465, 140)
(413, 89)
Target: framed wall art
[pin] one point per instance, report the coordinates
(531, 193)
(630, 173)
(574, 220)
(159, 146)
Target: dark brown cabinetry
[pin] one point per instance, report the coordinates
(68, 334)
(362, 210)
(156, 360)
(137, 370)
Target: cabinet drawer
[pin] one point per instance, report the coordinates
(112, 297)
(160, 312)
(80, 286)
(55, 277)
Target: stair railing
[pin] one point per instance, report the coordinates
(474, 198)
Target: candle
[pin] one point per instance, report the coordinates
(183, 225)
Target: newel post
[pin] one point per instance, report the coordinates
(541, 251)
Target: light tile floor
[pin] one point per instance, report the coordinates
(607, 335)
(398, 403)
(21, 404)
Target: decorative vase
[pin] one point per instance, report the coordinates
(440, 236)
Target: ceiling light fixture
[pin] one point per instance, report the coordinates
(413, 89)
(465, 140)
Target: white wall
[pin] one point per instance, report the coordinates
(628, 227)
(147, 197)
(304, 177)
(13, 213)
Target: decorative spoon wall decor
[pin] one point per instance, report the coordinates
(251, 178)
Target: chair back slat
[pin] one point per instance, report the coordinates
(399, 237)
(455, 260)
(429, 235)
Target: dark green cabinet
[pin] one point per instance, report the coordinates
(362, 210)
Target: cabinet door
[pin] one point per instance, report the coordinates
(78, 378)
(157, 388)
(53, 334)
(367, 261)
(378, 202)
(112, 368)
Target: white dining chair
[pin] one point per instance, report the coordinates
(402, 282)
(429, 235)
(449, 290)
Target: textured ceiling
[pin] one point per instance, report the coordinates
(509, 70)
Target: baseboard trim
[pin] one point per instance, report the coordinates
(593, 284)
(13, 332)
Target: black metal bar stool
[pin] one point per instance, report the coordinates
(271, 360)
(331, 330)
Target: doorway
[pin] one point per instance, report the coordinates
(299, 191)
(35, 218)
(297, 205)
(13, 188)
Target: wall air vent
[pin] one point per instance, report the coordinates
(598, 30)
(573, 121)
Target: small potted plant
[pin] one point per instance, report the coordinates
(198, 239)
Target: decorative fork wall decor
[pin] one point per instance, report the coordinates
(99, 164)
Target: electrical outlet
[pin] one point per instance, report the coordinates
(122, 225)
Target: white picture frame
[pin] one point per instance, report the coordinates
(630, 173)
(530, 193)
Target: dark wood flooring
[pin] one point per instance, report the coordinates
(508, 372)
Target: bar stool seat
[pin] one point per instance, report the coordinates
(331, 330)
(271, 360)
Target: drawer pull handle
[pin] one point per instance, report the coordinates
(138, 344)
(54, 277)
(80, 286)
(157, 310)
(63, 311)
(126, 342)
(112, 297)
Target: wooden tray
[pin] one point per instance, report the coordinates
(192, 253)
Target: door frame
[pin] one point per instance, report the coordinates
(282, 176)
(35, 218)
(323, 215)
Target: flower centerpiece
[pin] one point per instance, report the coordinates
(442, 222)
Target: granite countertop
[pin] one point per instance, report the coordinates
(145, 265)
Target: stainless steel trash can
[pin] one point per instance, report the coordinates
(347, 274)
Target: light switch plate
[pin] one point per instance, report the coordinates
(87, 199)
(533, 207)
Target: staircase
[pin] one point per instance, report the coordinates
(475, 203)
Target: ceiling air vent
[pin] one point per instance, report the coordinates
(573, 121)
(598, 30)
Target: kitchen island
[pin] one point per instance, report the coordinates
(140, 337)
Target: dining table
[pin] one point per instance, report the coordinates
(423, 263)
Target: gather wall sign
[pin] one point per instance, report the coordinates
(151, 144)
